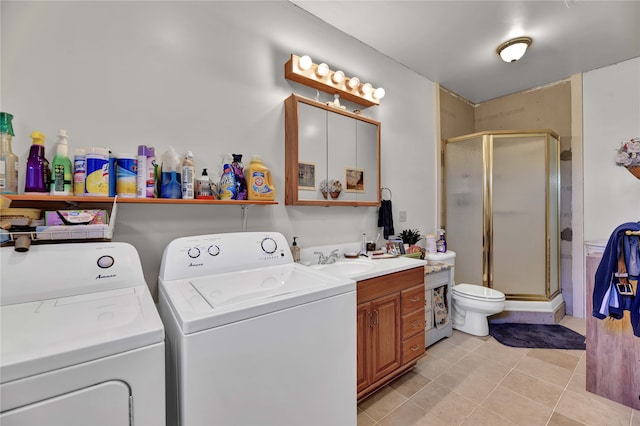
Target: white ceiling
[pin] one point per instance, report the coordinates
(454, 42)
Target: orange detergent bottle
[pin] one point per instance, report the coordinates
(258, 177)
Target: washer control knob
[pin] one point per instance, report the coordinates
(105, 261)
(269, 245)
(193, 252)
(214, 250)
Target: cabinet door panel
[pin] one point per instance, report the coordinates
(385, 341)
(312, 146)
(363, 326)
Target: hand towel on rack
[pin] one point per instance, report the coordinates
(385, 218)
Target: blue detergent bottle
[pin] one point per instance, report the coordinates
(170, 176)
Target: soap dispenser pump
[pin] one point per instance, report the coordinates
(295, 251)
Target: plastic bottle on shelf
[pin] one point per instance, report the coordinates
(431, 244)
(227, 185)
(79, 171)
(258, 176)
(170, 187)
(113, 177)
(238, 171)
(61, 175)
(8, 160)
(188, 172)
(36, 178)
(203, 186)
(441, 244)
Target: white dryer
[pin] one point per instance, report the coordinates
(81, 341)
(254, 338)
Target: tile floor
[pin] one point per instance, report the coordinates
(468, 380)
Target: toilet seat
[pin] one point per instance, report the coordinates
(478, 292)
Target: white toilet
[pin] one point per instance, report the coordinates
(472, 304)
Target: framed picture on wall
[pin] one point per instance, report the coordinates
(307, 176)
(354, 179)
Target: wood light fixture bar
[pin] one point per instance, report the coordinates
(326, 83)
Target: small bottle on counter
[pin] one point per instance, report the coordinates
(295, 251)
(441, 244)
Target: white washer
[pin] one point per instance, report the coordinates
(254, 338)
(81, 340)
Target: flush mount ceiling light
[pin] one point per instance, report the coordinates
(514, 49)
(301, 69)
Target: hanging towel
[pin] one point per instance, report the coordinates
(385, 218)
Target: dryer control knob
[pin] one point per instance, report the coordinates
(105, 261)
(269, 245)
(193, 252)
(214, 250)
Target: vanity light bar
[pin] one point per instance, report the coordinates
(302, 70)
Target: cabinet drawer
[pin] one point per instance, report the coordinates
(372, 288)
(412, 299)
(412, 323)
(436, 279)
(412, 348)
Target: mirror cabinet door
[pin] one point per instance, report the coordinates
(325, 143)
(312, 151)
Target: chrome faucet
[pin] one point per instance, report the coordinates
(333, 256)
(322, 259)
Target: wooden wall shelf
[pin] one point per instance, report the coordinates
(21, 199)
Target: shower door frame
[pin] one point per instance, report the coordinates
(487, 140)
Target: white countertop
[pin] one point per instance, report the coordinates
(376, 267)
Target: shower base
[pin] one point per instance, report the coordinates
(518, 311)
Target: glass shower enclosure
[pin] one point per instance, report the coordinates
(501, 211)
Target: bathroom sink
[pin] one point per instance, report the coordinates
(346, 268)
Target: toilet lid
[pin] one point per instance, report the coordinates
(477, 292)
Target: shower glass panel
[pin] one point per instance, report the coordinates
(501, 212)
(464, 205)
(518, 190)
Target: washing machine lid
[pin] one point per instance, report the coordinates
(42, 336)
(477, 292)
(206, 302)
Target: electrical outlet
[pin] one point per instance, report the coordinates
(403, 215)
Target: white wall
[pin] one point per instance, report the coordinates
(205, 76)
(608, 194)
(611, 105)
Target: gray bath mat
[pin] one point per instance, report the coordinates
(547, 336)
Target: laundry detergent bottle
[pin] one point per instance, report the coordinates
(258, 176)
(227, 186)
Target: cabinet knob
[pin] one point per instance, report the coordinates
(415, 348)
(416, 324)
(414, 299)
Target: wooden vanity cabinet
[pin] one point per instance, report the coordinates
(390, 324)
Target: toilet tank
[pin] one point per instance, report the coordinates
(446, 257)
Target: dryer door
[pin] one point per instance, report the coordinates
(104, 404)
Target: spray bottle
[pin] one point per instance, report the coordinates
(8, 160)
(36, 179)
(188, 172)
(62, 171)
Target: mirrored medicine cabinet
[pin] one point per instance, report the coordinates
(328, 144)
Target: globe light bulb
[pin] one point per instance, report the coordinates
(354, 82)
(366, 89)
(337, 77)
(305, 63)
(322, 70)
(379, 93)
